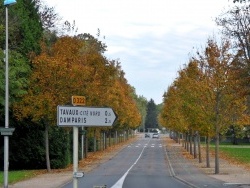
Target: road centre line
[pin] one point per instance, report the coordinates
(145, 145)
(119, 183)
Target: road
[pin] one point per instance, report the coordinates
(141, 164)
(151, 170)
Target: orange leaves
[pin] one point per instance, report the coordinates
(207, 93)
(69, 67)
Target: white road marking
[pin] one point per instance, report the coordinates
(119, 183)
(146, 145)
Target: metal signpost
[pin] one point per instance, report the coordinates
(78, 116)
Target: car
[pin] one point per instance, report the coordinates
(147, 135)
(155, 135)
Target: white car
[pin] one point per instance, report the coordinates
(155, 135)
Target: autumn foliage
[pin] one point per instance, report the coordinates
(76, 66)
(69, 68)
(207, 97)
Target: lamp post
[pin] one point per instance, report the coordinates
(6, 131)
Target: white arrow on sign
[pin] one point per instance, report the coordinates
(68, 116)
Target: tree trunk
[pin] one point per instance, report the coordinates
(103, 140)
(69, 147)
(110, 137)
(207, 151)
(199, 148)
(46, 137)
(191, 142)
(186, 137)
(187, 141)
(177, 139)
(95, 140)
(217, 163)
(217, 135)
(195, 147)
(182, 140)
(124, 135)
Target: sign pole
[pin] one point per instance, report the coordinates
(76, 116)
(75, 156)
(82, 143)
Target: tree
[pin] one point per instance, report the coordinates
(235, 25)
(60, 67)
(70, 68)
(57, 74)
(207, 96)
(48, 16)
(28, 20)
(226, 106)
(92, 43)
(120, 97)
(25, 29)
(19, 70)
(25, 32)
(151, 117)
(142, 106)
(171, 115)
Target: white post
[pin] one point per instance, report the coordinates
(82, 147)
(6, 138)
(75, 156)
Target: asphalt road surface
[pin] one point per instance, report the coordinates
(143, 164)
(147, 163)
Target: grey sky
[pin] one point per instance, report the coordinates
(151, 38)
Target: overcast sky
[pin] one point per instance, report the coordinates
(151, 38)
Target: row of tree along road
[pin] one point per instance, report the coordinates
(210, 96)
(47, 67)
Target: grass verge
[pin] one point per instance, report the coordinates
(15, 176)
(240, 154)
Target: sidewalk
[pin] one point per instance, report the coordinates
(183, 168)
(189, 169)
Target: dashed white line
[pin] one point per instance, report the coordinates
(119, 183)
